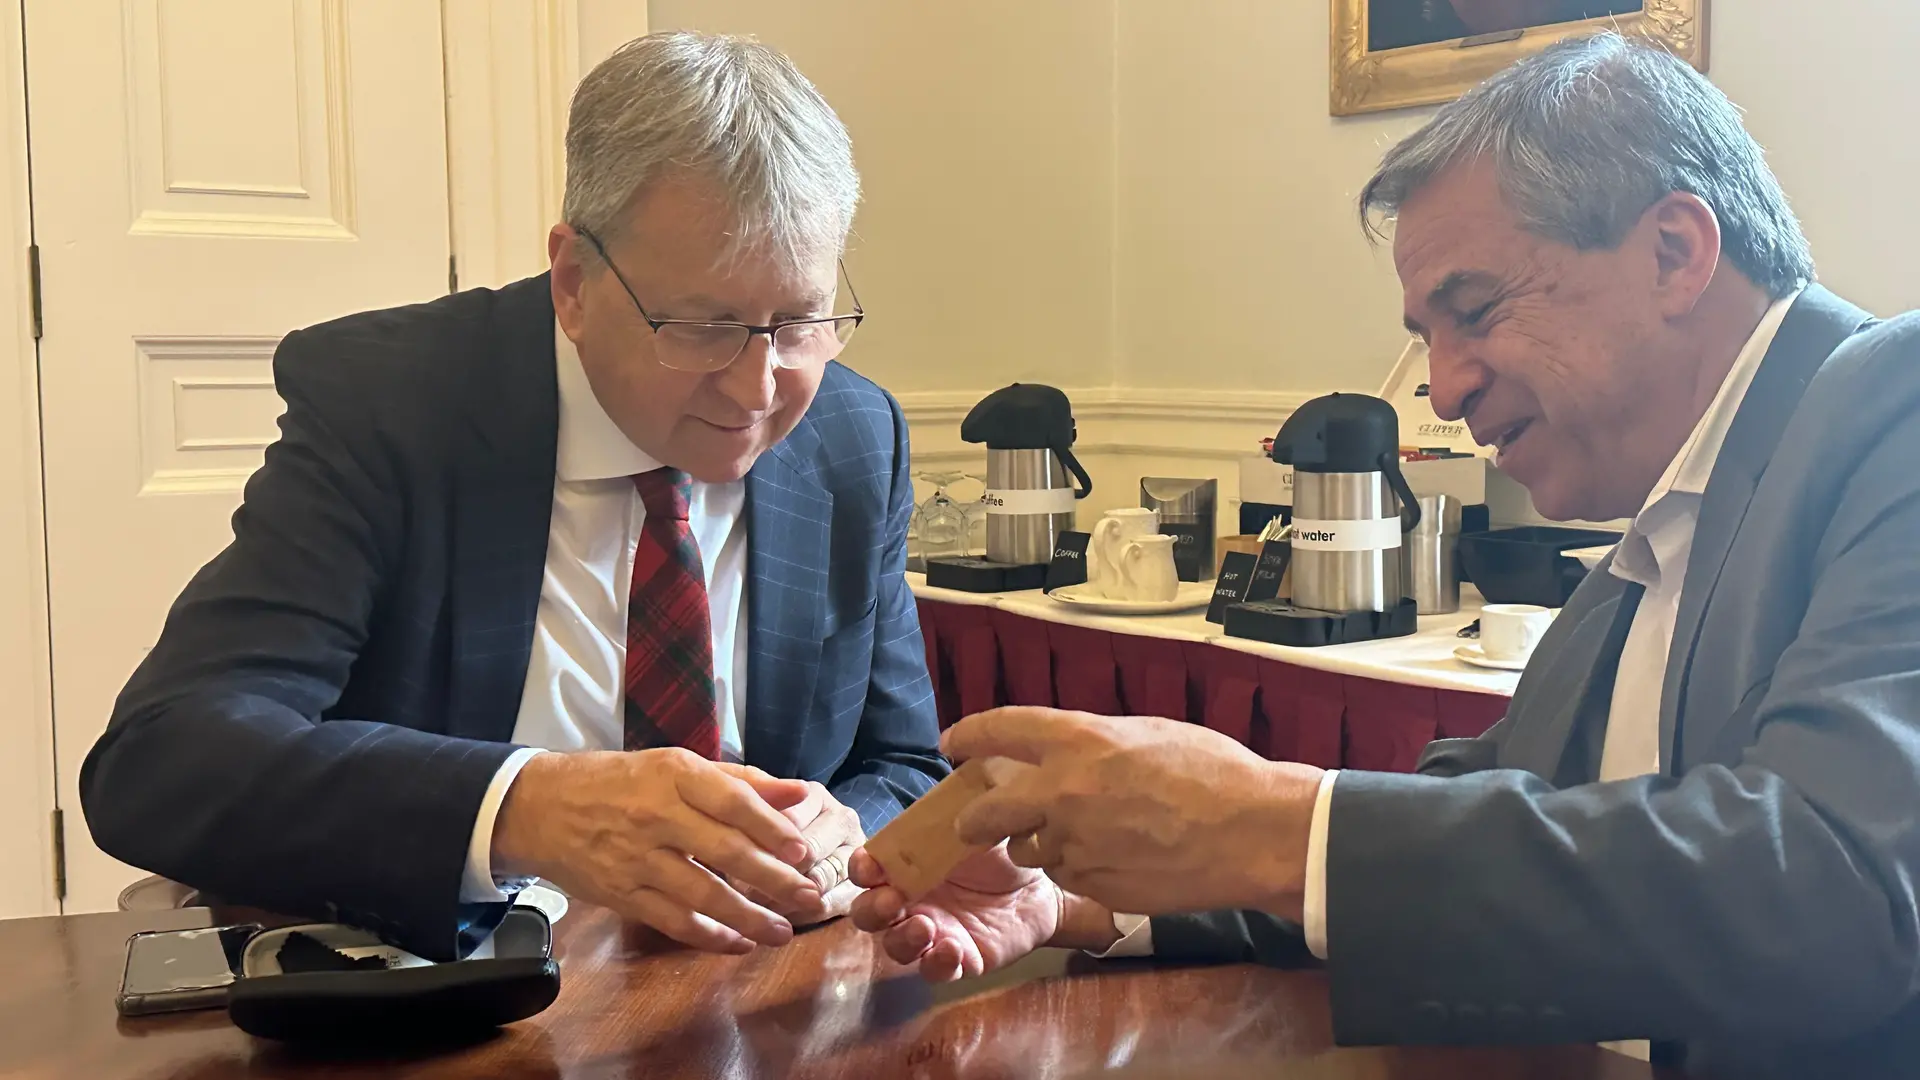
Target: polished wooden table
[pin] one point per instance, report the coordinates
(829, 1005)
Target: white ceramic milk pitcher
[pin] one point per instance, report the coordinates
(1110, 536)
(1147, 571)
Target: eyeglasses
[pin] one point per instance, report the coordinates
(690, 345)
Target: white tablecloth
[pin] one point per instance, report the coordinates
(1424, 658)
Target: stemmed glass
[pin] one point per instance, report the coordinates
(944, 526)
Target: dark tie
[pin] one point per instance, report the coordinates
(669, 677)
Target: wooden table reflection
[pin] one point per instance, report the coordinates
(829, 1005)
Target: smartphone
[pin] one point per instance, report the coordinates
(175, 970)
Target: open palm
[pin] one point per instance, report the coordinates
(987, 914)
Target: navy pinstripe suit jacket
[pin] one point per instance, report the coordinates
(315, 729)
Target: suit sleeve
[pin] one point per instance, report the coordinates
(896, 754)
(217, 769)
(1238, 937)
(1773, 898)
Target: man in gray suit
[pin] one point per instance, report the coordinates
(1699, 822)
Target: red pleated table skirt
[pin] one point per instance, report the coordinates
(982, 657)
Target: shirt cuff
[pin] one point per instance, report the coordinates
(477, 884)
(1313, 915)
(1136, 937)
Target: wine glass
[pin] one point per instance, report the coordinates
(942, 521)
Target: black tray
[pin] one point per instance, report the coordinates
(1524, 565)
(1280, 623)
(968, 574)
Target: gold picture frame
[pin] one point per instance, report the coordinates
(1363, 81)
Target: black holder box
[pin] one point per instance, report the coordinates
(967, 574)
(1280, 623)
(367, 1003)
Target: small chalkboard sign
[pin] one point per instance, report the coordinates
(1069, 563)
(1189, 545)
(1236, 575)
(1270, 569)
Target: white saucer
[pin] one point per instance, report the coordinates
(1589, 556)
(545, 897)
(1192, 594)
(1471, 654)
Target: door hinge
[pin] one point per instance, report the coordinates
(59, 854)
(453, 274)
(33, 285)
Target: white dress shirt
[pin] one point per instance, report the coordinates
(1653, 553)
(573, 697)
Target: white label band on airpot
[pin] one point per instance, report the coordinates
(1029, 501)
(1371, 534)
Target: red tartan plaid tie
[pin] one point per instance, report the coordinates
(669, 676)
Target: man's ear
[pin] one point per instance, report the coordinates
(568, 280)
(1686, 247)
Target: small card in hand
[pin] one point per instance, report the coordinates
(919, 848)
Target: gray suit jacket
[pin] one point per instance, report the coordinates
(1754, 905)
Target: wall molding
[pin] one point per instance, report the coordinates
(1119, 420)
(1110, 402)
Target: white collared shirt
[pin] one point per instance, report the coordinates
(573, 697)
(1653, 552)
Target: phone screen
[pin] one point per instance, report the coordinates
(184, 960)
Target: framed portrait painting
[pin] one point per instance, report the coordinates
(1391, 54)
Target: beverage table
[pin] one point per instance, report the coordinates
(1370, 705)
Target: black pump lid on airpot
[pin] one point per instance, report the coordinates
(1339, 433)
(1023, 416)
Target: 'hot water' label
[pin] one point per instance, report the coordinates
(1371, 534)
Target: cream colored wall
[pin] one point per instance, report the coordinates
(984, 134)
(603, 24)
(1152, 194)
(1240, 262)
(1834, 106)
(1239, 265)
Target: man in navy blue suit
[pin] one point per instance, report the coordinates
(631, 510)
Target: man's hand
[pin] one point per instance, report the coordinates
(833, 833)
(987, 914)
(1140, 813)
(656, 835)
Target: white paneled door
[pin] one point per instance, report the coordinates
(207, 175)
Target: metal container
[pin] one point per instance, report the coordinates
(1186, 508)
(1369, 579)
(1431, 548)
(1029, 502)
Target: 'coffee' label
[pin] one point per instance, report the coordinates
(1028, 500)
(1069, 563)
(1371, 534)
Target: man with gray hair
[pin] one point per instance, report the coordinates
(1699, 822)
(631, 509)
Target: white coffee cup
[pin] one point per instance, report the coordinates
(1110, 536)
(1510, 631)
(1147, 572)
